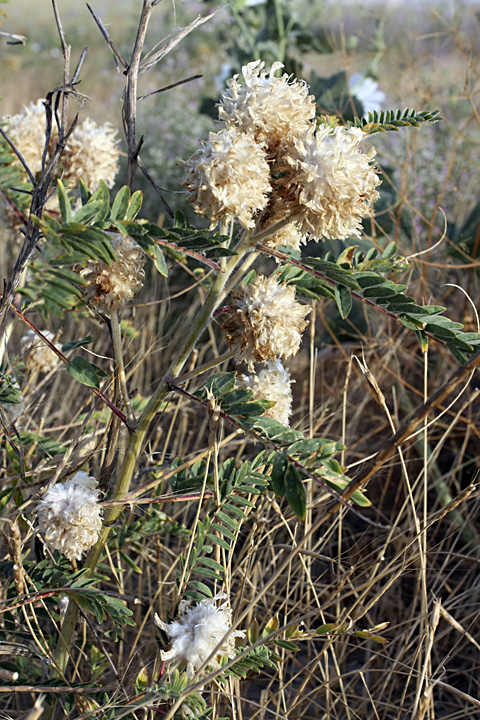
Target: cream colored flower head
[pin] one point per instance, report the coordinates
(272, 383)
(27, 130)
(109, 287)
(38, 355)
(92, 154)
(273, 109)
(197, 631)
(263, 321)
(70, 517)
(229, 178)
(332, 184)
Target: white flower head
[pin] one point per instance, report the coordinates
(197, 632)
(229, 178)
(91, 152)
(38, 355)
(272, 383)
(333, 184)
(263, 321)
(70, 517)
(274, 109)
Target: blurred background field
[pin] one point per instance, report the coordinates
(420, 55)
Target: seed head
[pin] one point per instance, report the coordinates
(289, 235)
(91, 152)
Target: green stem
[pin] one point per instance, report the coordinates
(136, 443)
(117, 350)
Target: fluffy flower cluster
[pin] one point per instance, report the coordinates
(319, 179)
(263, 321)
(197, 632)
(332, 184)
(27, 130)
(220, 184)
(38, 355)
(272, 383)
(276, 111)
(109, 287)
(91, 152)
(70, 517)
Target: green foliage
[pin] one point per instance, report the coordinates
(86, 373)
(365, 278)
(295, 458)
(9, 388)
(386, 120)
(175, 686)
(221, 525)
(51, 288)
(104, 606)
(254, 660)
(81, 235)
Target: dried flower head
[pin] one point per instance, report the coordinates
(263, 321)
(274, 109)
(272, 383)
(38, 355)
(196, 633)
(92, 154)
(229, 177)
(332, 184)
(70, 517)
(109, 287)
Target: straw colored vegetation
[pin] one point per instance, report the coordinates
(171, 545)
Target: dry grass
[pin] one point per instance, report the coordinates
(409, 564)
